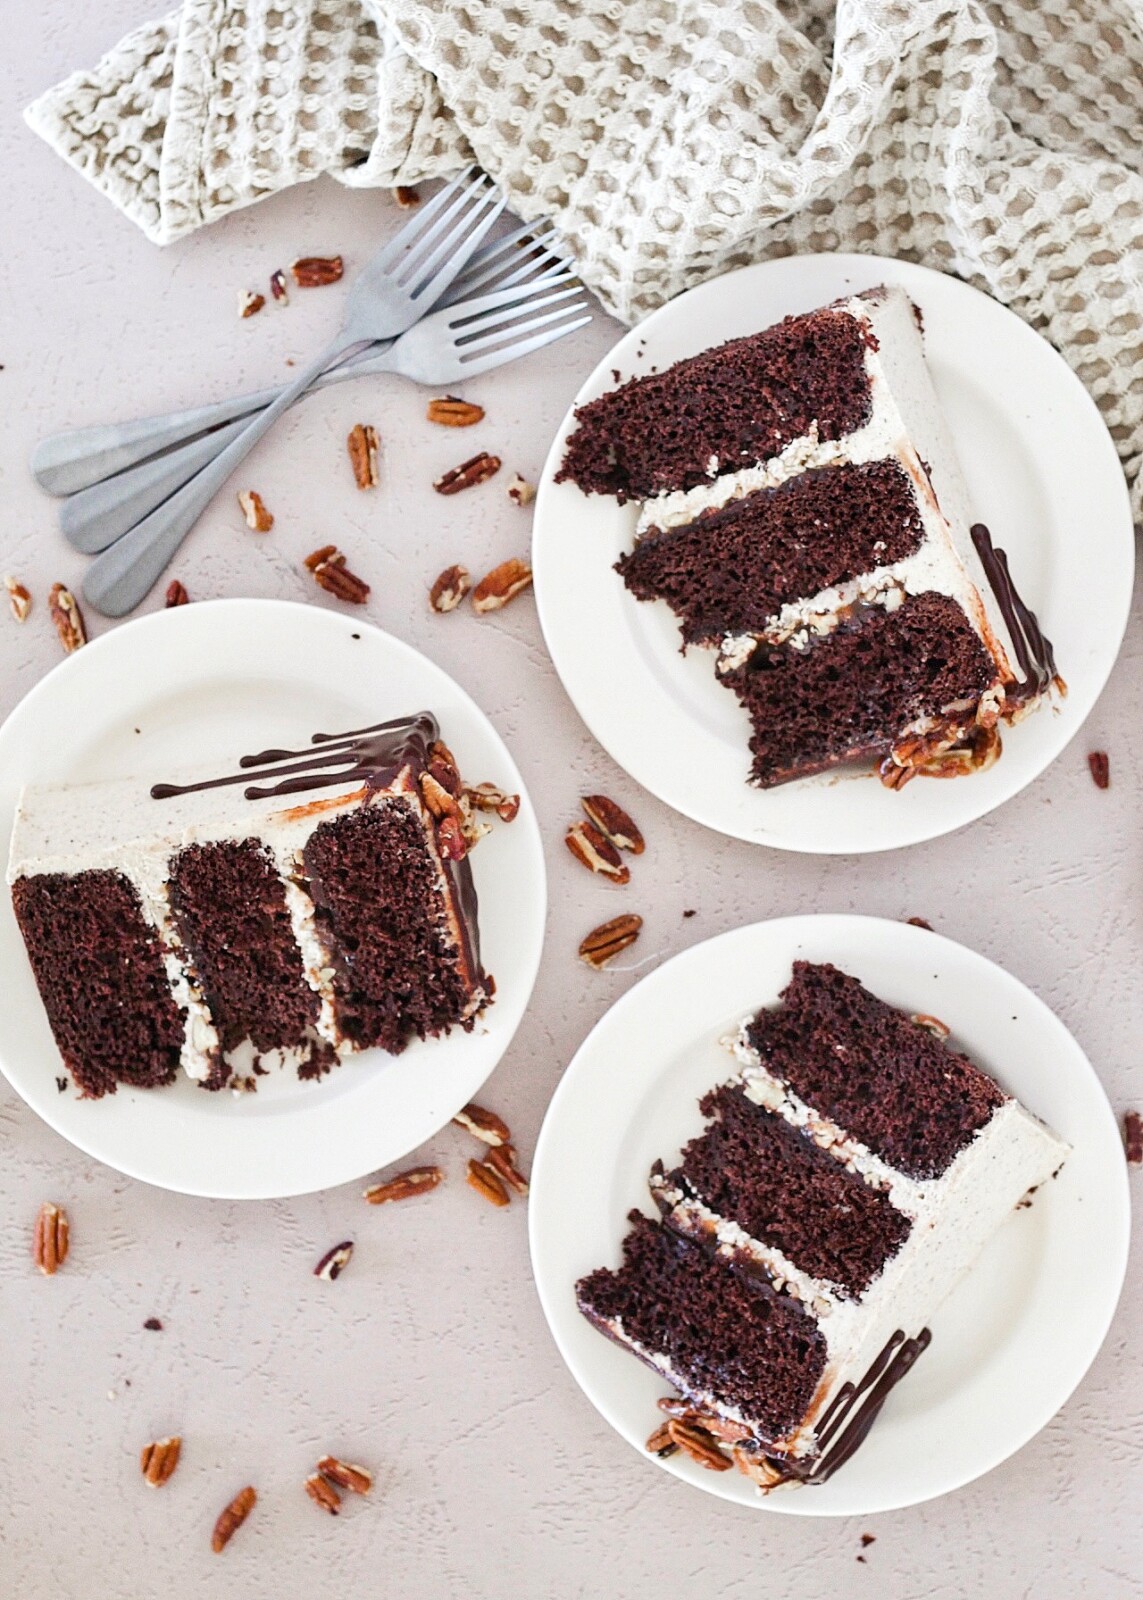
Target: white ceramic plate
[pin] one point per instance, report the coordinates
(207, 683)
(1012, 1341)
(1042, 473)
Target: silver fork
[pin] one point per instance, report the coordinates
(67, 463)
(95, 517)
(450, 345)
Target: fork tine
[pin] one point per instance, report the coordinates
(434, 275)
(467, 310)
(513, 352)
(496, 320)
(492, 264)
(513, 329)
(470, 202)
(426, 215)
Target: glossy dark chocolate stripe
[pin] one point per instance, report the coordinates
(885, 1374)
(1033, 649)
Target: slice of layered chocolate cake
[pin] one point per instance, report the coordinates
(804, 515)
(844, 1182)
(221, 925)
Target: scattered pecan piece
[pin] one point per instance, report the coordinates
(604, 943)
(612, 820)
(176, 594)
(1133, 1137)
(19, 598)
(451, 840)
(520, 491)
(488, 1183)
(589, 846)
(1100, 768)
(450, 589)
(660, 1443)
(502, 1159)
(50, 1238)
(500, 585)
(231, 1518)
(486, 1125)
(867, 1539)
(331, 574)
(478, 469)
(700, 1445)
(253, 508)
(452, 412)
(758, 1469)
(335, 1261)
(363, 445)
(919, 922)
(417, 1180)
(313, 272)
(250, 303)
(159, 1460)
(406, 196)
(933, 1025)
(487, 797)
(359, 1480)
(153, 1325)
(278, 287)
(323, 1494)
(67, 616)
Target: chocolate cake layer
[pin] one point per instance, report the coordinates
(733, 406)
(229, 906)
(754, 1169)
(397, 968)
(885, 1079)
(101, 977)
(731, 570)
(724, 1332)
(852, 693)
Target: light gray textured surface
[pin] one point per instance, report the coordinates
(429, 1359)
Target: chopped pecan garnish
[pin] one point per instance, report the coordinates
(757, 1468)
(486, 1125)
(478, 469)
(50, 1238)
(331, 574)
(19, 599)
(440, 801)
(278, 287)
(520, 491)
(602, 944)
(487, 797)
(451, 840)
(334, 1262)
(67, 616)
(933, 1025)
(502, 1159)
(250, 303)
(253, 508)
(323, 1494)
(450, 589)
(660, 1443)
(231, 1518)
(1100, 769)
(406, 196)
(159, 1460)
(452, 412)
(417, 1180)
(700, 1445)
(363, 445)
(919, 922)
(612, 820)
(589, 846)
(176, 594)
(500, 585)
(359, 1480)
(487, 1183)
(313, 272)
(1133, 1137)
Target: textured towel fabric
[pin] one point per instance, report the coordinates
(670, 140)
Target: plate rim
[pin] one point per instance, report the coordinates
(75, 665)
(843, 261)
(787, 929)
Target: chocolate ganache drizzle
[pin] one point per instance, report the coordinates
(1033, 650)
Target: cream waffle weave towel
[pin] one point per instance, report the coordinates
(670, 140)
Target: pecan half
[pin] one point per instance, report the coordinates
(758, 1469)
(598, 854)
(250, 303)
(1100, 769)
(417, 1180)
(520, 491)
(19, 598)
(451, 840)
(700, 1445)
(50, 1238)
(231, 1518)
(67, 616)
(487, 797)
(1133, 1137)
(359, 1480)
(500, 585)
(253, 508)
(486, 1125)
(335, 1261)
(450, 588)
(363, 445)
(323, 1494)
(278, 287)
(331, 574)
(438, 799)
(159, 1460)
(612, 820)
(313, 272)
(604, 943)
(452, 412)
(478, 469)
(660, 1442)
(176, 594)
(487, 1183)
(406, 196)
(502, 1159)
